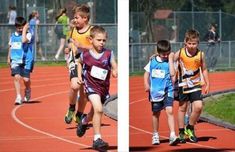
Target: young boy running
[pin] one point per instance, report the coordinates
(98, 63)
(21, 58)
(190, 60)
(79, 40)
(158, 77)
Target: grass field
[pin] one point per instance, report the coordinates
(44, 63)
(222, 107)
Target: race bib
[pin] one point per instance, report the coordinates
(99, 73)
(16, 45)
(156, 73)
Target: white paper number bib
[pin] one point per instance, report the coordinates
(156, 73)
(99, 73)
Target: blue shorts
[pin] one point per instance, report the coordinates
(20, 69)
(158, 106)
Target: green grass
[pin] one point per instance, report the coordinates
(222, 107)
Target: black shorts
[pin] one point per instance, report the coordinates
(193, 96)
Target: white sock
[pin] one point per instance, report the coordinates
(97, 136)
(155, 133)
(18, 96)
(84, 121)
(172, 134)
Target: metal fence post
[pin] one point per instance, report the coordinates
(229, 54)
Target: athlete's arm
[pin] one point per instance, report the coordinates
(114, 66)
(146, 81)
(205, 74)
(171, 67)
(79, 69)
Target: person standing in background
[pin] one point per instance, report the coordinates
(33, 24)
(11, 15)
(212, 37)
(63, 19)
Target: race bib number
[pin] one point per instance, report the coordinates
(16, 45)
(156, 73)
(99, 73)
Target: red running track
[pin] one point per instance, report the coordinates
(211, 137)
(39, 125)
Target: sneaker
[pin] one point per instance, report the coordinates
(182, 138)
(173, 141)
(100, 145)
(69, 116)
(18, 101)
(190, 133)
(27, 95)
(76, 118)
(155, 139)
(81, 129)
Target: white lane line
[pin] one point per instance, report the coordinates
(199, 145)
(13, 114)
(133, 102)
(46, 85)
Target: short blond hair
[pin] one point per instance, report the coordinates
(83, 10)
(96, 30)
(191, 34)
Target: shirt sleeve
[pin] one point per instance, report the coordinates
(29, 37)
(147, 67)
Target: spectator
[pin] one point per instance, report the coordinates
(11, 15)
(33, 24)
(212, 37)
(63, 19)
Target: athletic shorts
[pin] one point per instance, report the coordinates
(19, 69)
(158, 106)
(194, 96)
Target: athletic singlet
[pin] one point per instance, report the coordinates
(96, 72)
(82, 38)
(189, 71)
(160, 80)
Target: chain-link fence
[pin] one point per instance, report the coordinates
(48, 41)
(218, 56)
(173, 25)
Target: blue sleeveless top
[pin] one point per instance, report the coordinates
(160, 80)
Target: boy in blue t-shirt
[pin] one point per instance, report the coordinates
(21, 58)
(158, 77)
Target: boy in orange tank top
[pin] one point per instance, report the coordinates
(191, 60)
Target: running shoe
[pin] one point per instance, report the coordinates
(69, 116)
(191, 135)
(100, 145)
(81, 129)
(18, 101)
(27, 95)
(182, 138)
(155, 139)
(76, 118)
(173, 141)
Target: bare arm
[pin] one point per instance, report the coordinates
(114, 68)
(205, 75)
(24, 33)
(146, 81)
(8, 56)
(171, 66)
(79, 69)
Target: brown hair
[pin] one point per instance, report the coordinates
(83, 10)
(97, 29)
(62, 11)
(163, 46)
(191, 34)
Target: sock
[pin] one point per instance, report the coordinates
(190, 127)
(172, 134)
(97, 136)
(84, 121)
(18, 96)
(79, 114)
(181, 130)
(72, 107)
(155, 133)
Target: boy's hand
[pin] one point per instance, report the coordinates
(80, 81)
(207, 89)
(146, 87)
(114, 73)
